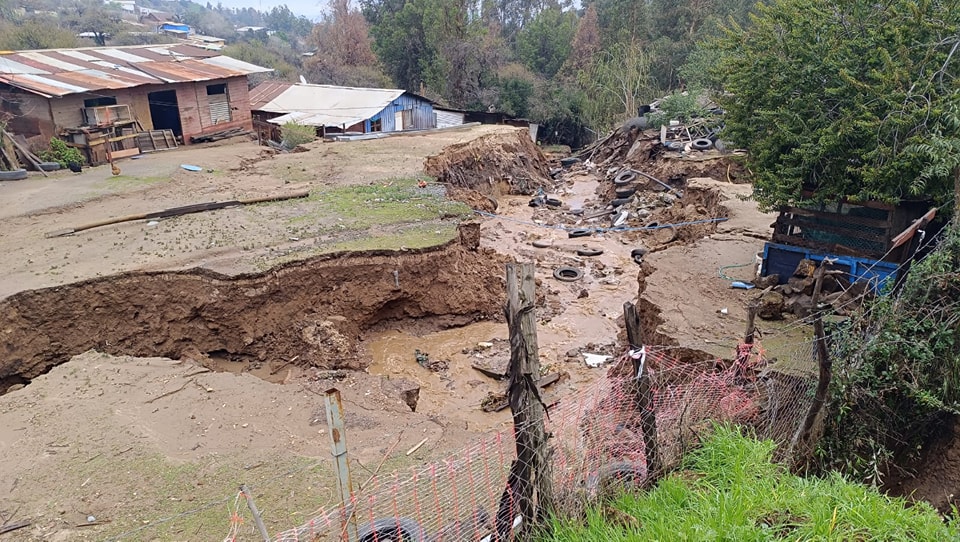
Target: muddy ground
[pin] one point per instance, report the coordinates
(237, 316)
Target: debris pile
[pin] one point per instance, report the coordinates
(495, 164)
(795, 294)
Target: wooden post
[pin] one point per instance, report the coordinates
(530, 488)
(338, 447)
(256, 513)
(744, 350)
(643, 392)
(805, 439)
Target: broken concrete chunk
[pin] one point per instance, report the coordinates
(800, 306)
(801, 285)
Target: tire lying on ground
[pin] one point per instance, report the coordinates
(13, 175)
(567, 274)
(701, 144)
(553, 202)
(624, 178)
(540, 243)
(619, 201)
(589, 252)
(579, 233)
(394, 529)
(625, 192)
(49, 166)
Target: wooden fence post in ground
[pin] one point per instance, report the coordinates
(802, 446)
(529, 491)
(642, 391)
(744, 350)
(338, 446)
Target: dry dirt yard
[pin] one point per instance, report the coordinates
(116, 447)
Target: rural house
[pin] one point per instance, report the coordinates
(333, 109)
(102, 99)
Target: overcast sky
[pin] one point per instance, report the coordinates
(311, 9)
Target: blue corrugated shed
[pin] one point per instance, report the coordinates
(416, 114)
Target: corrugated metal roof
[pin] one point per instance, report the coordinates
(323, 105)
(261, 94)
(58, 72)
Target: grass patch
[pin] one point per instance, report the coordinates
(395, 201)
(731, 490)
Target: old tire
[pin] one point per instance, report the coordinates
(588, 252)
(391, 529)
(619, 202)
(641, 252)
(625, 192)
(701, 144)
(540, 243)
(625, 178)
(664, 235)
(553, 202)
(567, 274)
(567, 162)
(49, 166)
(579, 233)
(13, 175)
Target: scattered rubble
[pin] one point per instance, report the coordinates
(795, 294)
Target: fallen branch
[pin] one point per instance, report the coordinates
(14, 526)
(169, 393)
(178, 211)
(416, 447)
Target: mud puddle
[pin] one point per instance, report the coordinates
(452, 388)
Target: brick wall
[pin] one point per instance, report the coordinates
(191, 98)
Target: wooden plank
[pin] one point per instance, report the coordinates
(121, 138)
(26, 153)
(643, 392)
(125, 153)
(911, 230)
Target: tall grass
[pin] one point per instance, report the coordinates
(731, 490)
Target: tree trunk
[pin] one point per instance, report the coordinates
(956, 195)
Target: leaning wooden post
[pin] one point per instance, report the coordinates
(642, 391)
(257, 519)
(805, 439)
(338, 446)
(530, 474)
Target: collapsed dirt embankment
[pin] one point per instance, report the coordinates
(495, 165)
(310, 311)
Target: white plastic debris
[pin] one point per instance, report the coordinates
(724, 311)
(91, 519)
(595, 360)
(153, 223)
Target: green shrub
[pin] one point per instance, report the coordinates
(897, 370)
(294, 134)
(731, 490)
(61, 153)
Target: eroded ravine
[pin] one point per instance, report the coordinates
(311, 311)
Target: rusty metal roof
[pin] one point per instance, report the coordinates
(261, 94)
(58, 72)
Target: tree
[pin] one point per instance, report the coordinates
(585, 46)
(545, 43)
(846, 98)
(617, 83)
(94, 17)
(344, 50)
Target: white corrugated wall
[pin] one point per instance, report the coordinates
(446, 118)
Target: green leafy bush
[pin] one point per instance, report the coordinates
(731, 490)
(294, 134)
(897, 370)
(61, 153)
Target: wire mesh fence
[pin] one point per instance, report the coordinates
(595, 443)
